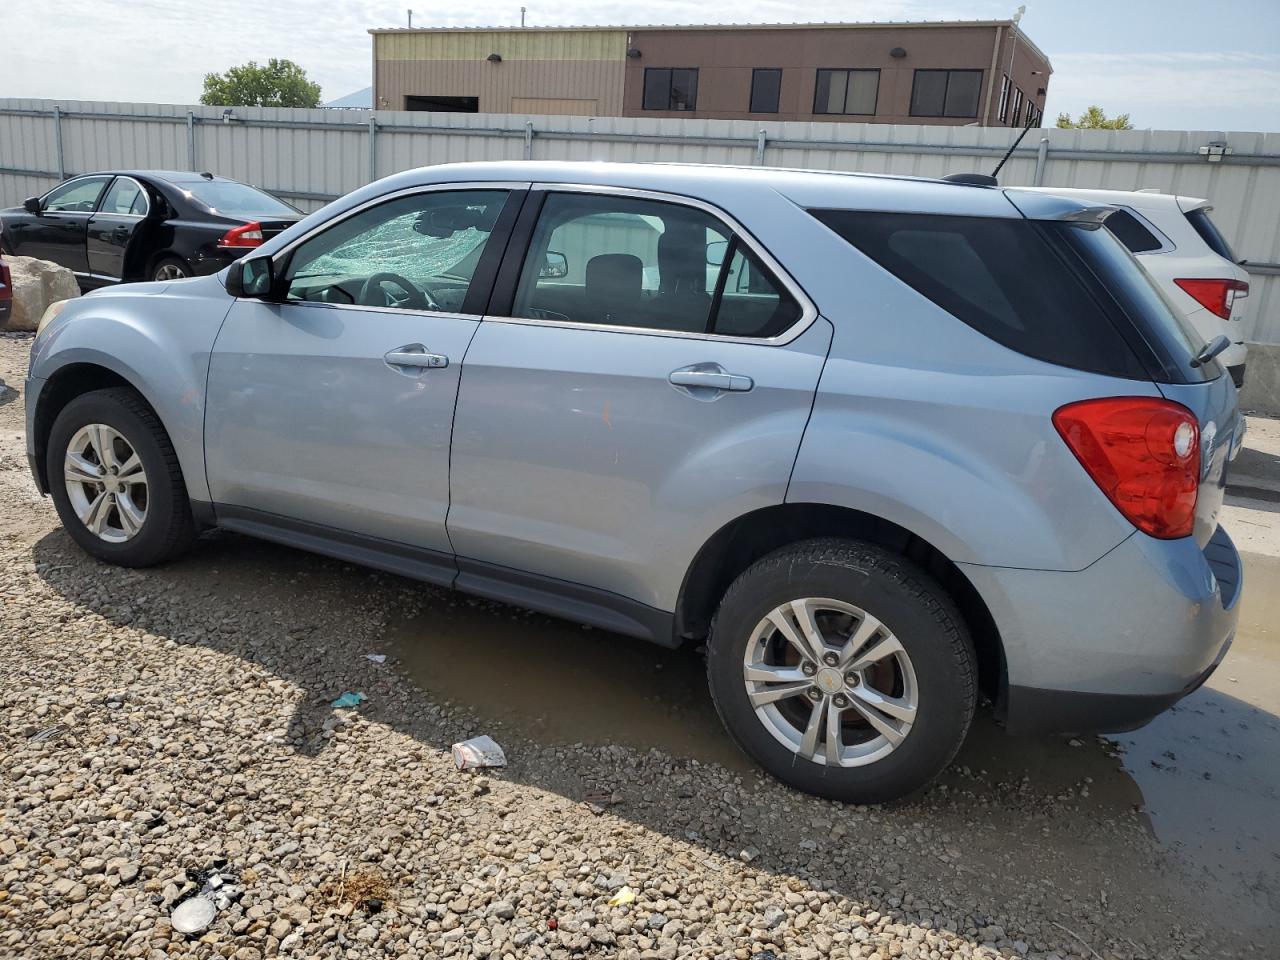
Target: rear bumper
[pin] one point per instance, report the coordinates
(1110, 647)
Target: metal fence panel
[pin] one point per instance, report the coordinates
(313, 156)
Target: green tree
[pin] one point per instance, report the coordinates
(281, 83)
(1095, 118)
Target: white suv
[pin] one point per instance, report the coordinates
(1181, 248)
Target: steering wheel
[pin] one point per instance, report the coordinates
(372, 293)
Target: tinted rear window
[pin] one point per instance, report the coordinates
(237, 199)
(1131, 232)
(1063, 292)
(1208, 231)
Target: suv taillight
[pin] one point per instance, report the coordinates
(1216, 296)
(246, 235)
(1145, 455)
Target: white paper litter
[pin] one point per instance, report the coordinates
(478, 752)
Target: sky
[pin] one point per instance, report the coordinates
(1169, 64)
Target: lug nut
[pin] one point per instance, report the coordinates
(852, 679)
(841, 702)
(809, 669)
(830, 659)
(815, 695)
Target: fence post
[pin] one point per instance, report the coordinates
(373, 149)
(1042, 157)
(191, 140)
(528, 139)
(57, 139)
(761, 139)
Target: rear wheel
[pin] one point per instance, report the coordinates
(115, 480)
(170, 268)
(843, 669)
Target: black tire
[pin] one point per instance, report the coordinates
(168, 527)
(909, 603)
(171, 263)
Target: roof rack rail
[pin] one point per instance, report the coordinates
(972, 179)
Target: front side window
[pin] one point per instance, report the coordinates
(766, 87)
(946, 93)
(631, 262)
(417, 252)
(126, 196)
(77, 196)
(670, 88)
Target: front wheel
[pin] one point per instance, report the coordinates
(843, 669)
(115, 480)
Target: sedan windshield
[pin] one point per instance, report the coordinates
(237, 199)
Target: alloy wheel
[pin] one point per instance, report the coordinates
(830, 682)
(170, 271)
(106, 483)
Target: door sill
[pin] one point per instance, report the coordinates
(559, 598)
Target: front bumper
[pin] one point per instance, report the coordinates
(1110, 647)
(31, 390)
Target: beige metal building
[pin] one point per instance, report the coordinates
(973, 72)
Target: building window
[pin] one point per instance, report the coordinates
(1017, 106)
(1004, 99)
(1033, 114)
(670, 88)
(946, 93)
(766, 85)
(848, 92)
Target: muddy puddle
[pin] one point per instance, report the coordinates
(1206, 775)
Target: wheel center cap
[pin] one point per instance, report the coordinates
(829, 680)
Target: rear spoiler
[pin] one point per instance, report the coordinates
(1045, 206)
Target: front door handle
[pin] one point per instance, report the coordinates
(710, 376)
(415, 356)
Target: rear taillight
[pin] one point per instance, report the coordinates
(1145, 455)
(1216, 296)
(6, 282)
(247, 235)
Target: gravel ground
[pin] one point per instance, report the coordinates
(158, 722)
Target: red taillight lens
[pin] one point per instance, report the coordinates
(1216, 296)
(248, 235)
(1145, 455)
(6, 282)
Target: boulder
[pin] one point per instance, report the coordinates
(36, 284)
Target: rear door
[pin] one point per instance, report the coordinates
(58, 233)
(120, 215)
(329, 414)
(643, 377)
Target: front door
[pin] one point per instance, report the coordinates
(648, 381)
(58, 233)
(119, 217)
(329, 413)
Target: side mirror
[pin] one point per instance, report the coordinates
(716, 251)
(556, 266)
(254, 278)
(32, 205)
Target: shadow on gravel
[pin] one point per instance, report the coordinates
(543, 687)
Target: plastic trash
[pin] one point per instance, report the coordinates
(219, 888)
(376, 657)
(193, 915)
(478, 752)
(350, 700)
(622, 897)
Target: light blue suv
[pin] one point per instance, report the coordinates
(888, 445)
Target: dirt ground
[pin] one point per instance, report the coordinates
(171, 720)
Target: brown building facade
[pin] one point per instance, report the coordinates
(984, 73)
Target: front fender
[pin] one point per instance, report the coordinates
(157, 337)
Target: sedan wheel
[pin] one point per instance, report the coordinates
(170, 269)
(106, 483)
(830, 682)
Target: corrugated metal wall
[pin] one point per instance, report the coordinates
(312, 156)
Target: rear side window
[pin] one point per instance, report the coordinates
(1209, 233)
(1130, 231)
(1012, 280)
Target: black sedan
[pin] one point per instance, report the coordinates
(124, 225)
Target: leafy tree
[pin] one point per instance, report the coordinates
(1095, 118)
(281, 83)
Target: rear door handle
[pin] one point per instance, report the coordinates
(414, 356)
(710, 376)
